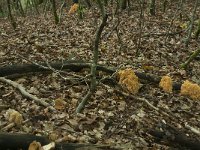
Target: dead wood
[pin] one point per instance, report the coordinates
(22, 141)
(25, 93)
(172, 136)
(72, 65)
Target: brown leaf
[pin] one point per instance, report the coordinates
(60, 104)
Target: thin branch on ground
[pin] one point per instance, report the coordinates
(26, 94)
(8, 127)
(56, 71)
(2, 107)
(168, 114)
(195, 54)
(196, 131)
(162, 34)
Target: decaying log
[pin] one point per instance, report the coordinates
(17, 141)
(22, 141)
(72, 65)
(173, 136)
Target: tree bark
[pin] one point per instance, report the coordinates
(95, 59)
(54, 11)
(22, 141)
(12, 21)
(152, 7)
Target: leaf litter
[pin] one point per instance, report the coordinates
(109, 118)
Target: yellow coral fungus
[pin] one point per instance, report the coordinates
(129, 80)
(190, 89)
(14, 116)
(73, 8)
(166, 84)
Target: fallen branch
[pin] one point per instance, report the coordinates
(197, 132)
(48, 67)
(25, 93)
(161, 111)
(73, 65)
(2, 107)
(195, 54)
(9, 126)
(162, 34)
(170, 135)
(22, 141)
(171, 117)
(42, 67)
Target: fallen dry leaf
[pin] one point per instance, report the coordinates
(60, 104)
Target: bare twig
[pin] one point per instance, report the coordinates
(3, 107)
(196, 131)
(60, 11)
(25, 93)
(56, 71)
(195, 54)
(169, 114)
(162, 34)
(9, 126)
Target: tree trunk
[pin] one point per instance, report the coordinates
(21, 10)
(123, 4)
(12, 21)
(1, 11)
(35, 6)
(54, 11)
(152, 7)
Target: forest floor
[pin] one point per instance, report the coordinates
(109, 117)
